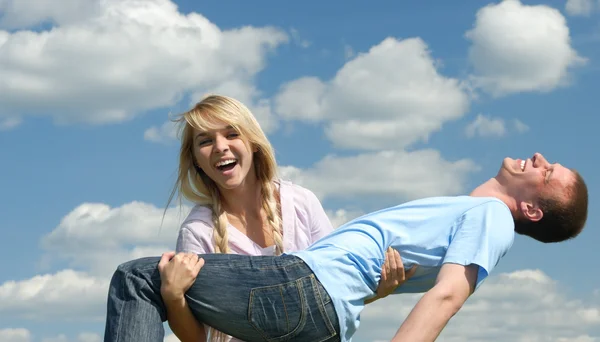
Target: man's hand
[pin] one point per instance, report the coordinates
(454, 284)
(177, 274)
(392, 275)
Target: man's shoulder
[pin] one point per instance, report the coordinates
(459, 204)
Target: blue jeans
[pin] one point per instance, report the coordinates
(253, 298)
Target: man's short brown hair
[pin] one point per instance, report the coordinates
(562, 219)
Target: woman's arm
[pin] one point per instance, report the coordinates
(178, 272)
(179, 316)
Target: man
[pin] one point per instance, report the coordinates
(318, 294)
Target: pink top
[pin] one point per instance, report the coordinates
(303, 219)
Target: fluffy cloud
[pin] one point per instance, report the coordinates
(15, 335)
(99, 237)
(519, 48)
(19, 14)
(126, 57)
(341, 216)
(96, 238)
(7, 124)
(485, 126)
(579, 7)
(520, 126)
(166, 133)
(66, 294)
(387, 98)
(396, 174)
(523, 306)
(89, 337)
(171, 338)
(83, 337)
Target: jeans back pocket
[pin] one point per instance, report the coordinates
(279, 311)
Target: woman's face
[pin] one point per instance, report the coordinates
(223, 155)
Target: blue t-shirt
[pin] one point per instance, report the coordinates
(428, 232)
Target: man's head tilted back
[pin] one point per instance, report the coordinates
(551, 201)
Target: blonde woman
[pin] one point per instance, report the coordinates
(227, 168)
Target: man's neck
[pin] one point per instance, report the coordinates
(493, 188)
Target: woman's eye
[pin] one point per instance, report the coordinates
(203, 142)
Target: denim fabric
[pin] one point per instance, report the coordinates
(253, 298)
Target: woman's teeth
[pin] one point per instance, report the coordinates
(225, 162)
(522, 165)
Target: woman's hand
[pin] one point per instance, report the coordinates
(177, 274)
(392, 274)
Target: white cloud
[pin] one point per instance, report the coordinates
(298, 40)
(94, 235)
(520, 126)
(522, 306)
(388, 98)
(83, 337)
(15, 335)
(348, 52)
(59, 338)
(89, 337)
(126, 57)
(95, 238)
(485, 126)
(171, 338)
(66, 294)
(9, 123)
(397, 174)
(20, 14)
(341, 216)
(166, 133)
(520, 48)
(579, 7)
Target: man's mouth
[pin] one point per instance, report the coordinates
(226, 164)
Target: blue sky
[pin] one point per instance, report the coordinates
(366, 105)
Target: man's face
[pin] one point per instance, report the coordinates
(528, 179)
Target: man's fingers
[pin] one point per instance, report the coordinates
(386, 264)
(400, 274)
(398, 260)
(393, 261)
(412, 271)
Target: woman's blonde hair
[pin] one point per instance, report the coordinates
(193, 184)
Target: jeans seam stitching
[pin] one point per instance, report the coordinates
(287, 318)
(123, 281)
(321, 307)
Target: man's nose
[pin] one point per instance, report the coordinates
(540, 161)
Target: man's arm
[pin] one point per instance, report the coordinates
(454, 284)
(393, 275)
